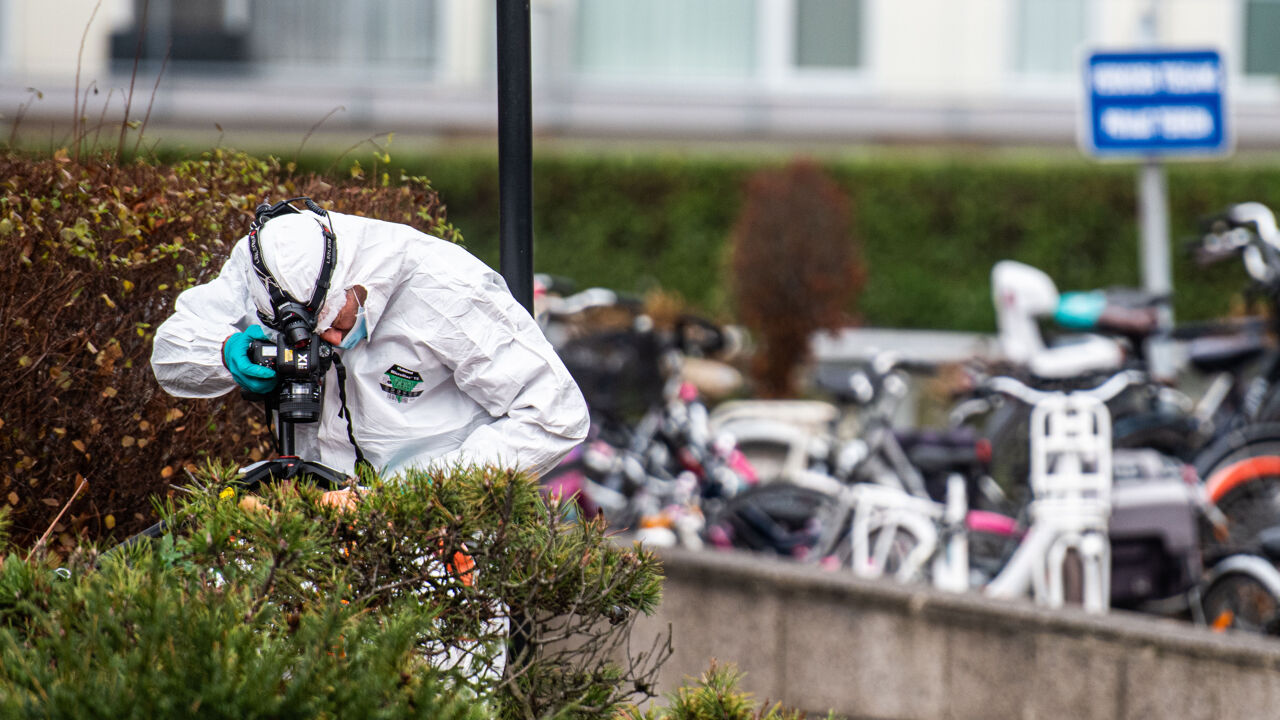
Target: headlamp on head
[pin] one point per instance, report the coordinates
(293, 318)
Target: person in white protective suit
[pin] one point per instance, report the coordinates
(443, 366)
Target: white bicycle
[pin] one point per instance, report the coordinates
(1064, 551)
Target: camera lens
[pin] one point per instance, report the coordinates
(299, 402)
(297, 334)
(294, 323)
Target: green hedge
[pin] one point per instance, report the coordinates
(299, 610)
(931, 227)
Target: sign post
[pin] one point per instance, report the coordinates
(1149, 105)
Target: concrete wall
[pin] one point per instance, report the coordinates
(823, 641)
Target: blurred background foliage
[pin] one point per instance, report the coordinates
(930, 225)
(95, 251)
(795, 270)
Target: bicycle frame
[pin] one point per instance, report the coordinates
(1071, 484)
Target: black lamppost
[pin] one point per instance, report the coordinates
(515, 199)
(515, 150)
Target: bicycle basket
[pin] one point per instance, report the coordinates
(619, 372)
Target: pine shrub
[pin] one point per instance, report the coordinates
(714, 696)
(396, 609)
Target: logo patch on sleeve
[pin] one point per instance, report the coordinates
(401, 384)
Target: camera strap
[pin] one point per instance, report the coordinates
(279, 297)
(361, 461)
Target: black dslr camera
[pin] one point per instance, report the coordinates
(301, 370)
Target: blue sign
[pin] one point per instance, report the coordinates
(1155, 103)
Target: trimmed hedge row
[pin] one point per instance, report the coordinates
(92, 256)
(930, 228)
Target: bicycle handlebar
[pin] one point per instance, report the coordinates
(696, 335)
(1248, 228)
(1105, 391)
(584, 300)
(1216, 246)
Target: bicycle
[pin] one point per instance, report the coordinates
(801, 512)
(1230, 434)
(1070, 480)
(651, 466)
(911, 539)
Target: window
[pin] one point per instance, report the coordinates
(710, 39)
(828, 33)
(315, 34)
(666, 38)
(6, 31)
(190, 33)
(1049, 33)
(1262, 37)
(399, 34)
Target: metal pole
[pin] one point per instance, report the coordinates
(1153, 207)
(515, 209)
(515, 150)
(1153, 201)
(1153, 218)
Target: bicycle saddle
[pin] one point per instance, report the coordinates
(1224, 352)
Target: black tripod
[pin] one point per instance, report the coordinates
(287, 466)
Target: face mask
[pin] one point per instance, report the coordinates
(357, 332)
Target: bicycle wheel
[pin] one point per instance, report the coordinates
(1241, 473)
(779, 518)
(1170, 434)
(891, 555)
(768, 458)
(1241, 601)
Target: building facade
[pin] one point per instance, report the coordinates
(983, 71)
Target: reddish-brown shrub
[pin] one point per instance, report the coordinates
(92, 256)
(796, 268)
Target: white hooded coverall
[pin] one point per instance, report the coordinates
(453, 371)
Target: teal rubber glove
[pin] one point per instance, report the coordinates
(235, 355)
